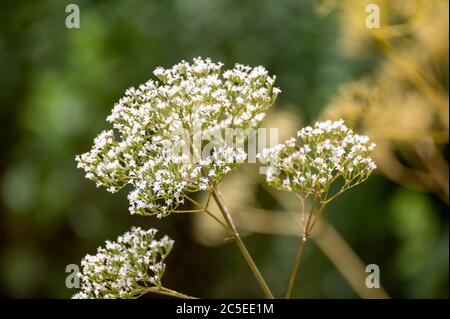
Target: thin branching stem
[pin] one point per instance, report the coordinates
(299, 252)
(203, 209)
(237, 238)
(166, 291)
(298, 257)
(317, 216)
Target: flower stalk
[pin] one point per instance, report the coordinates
(238, 240)
(157, 126)
(311, 163)
(168, 292)
(298, 257)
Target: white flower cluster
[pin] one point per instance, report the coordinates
(125, 268)
(318, 157)
(154, 125)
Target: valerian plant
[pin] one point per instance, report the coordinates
(154, 124)
(127, 268)
(327, 154)
(167, 142)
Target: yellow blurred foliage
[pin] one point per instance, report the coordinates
(403, 105)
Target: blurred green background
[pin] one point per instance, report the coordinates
(57, 86)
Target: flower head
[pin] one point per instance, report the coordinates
(318, 156)
(124, 268)
(160, 127)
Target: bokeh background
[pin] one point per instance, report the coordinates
(57, 86)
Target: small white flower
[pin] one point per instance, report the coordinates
(151, 123)
(123, 268)
(318, 156)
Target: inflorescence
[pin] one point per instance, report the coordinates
(157, 145)
(156, 127)
(318, 156)
(125, 268)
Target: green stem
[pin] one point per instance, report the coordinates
(298, 257)
(298, 254)
(204, 209)
(193, 201)
(168, 292)
(217, 220)
(319, 213)
(188, 211)
(307, 231)
(308, 222)
(237, 238)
